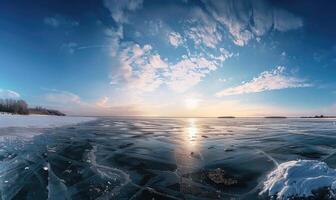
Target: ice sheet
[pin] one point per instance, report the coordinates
(163, 158)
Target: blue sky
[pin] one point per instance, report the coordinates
(170, 58)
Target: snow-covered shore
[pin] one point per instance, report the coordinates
(39, 121)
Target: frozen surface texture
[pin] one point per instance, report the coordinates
(28, 126)
(165, 158)
(39, 121)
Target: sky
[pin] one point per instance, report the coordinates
(183, 58)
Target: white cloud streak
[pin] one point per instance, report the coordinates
(62, 97)
(58, 20)
(8, 94)
(268, 80)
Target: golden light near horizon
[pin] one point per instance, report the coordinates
(191, 103)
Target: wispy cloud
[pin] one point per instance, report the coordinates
(119, 13)
(58, 20)
(154, 26)
(103, 102)
(8, 94)
(202, 29)
(62, 97)
(250, 19)
(72, 103)
(70, 47)
(51, 21)
(119, 8)
(268, 80)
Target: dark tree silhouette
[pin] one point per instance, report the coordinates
(14, 106)
(21, 107)
(44, 111)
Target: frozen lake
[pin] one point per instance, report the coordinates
(162, 158)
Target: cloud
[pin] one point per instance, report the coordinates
(145, 71)
(103, 102)
(141, 69)
(246, 20)
(222, 80)
(51, 21)
(71, 103)
(267, 80)
(203, 30)
(154, 26)
(188, 72)
(62, 97)
(70, 47)
(175, 39)
(57, 21)
(119, 8)
(8, 94)
(114, 36)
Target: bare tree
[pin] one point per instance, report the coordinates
(14, 106)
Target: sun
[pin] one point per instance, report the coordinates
(191, 103)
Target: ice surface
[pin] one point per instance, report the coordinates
(39, 121)
(299, 179)
(160, 158)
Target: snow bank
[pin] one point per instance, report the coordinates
(299, 179)
(39, 121)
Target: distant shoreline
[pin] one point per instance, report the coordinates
(186, 117)
(220, 117)
(20, 107)
(37, 114)
(33, 114)
(226, 117)
(319, 117)
(275, 117)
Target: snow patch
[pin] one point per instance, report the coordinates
(299, 178)
(39, 121)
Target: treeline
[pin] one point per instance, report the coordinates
(44, 111)
(21, 107)
(14, 106)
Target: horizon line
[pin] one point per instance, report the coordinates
(219, 117)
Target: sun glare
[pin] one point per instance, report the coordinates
(192, 103)
(192, 129)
